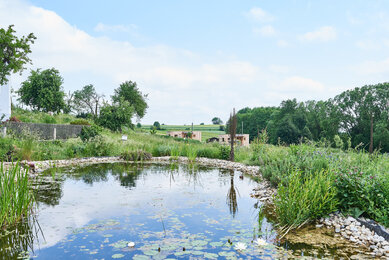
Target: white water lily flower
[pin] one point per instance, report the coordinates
(260, 242)
(240, 246)
(131, 244)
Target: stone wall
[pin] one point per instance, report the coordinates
(45, 131)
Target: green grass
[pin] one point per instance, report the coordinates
(207, 131)
(41, 117)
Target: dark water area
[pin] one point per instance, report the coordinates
(167, 211)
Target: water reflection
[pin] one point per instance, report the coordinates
(232, 201)
(18, 242)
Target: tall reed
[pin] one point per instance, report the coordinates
(191, 153)
(16, 198)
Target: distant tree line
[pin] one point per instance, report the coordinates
(359, 117)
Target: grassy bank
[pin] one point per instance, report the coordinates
(313, 179)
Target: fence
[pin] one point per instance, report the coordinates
(43, 131)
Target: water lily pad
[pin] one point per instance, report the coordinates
(199, 243)
(120, 244)
(140, 257)
(216, 244)
(117, 256)
(211, 255)
(150, 252)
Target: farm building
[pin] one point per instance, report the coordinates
(195, 135)
(242, 139)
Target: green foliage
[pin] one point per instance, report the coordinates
(43, 91)
(16, 200)
(338, 142)
(157, 125)
(137, 155)
(129, 92)
(90, 132)
(99, 146)
(224, 151)
(86, 100)
(80, 121)
(13, 52)
(305, 198)
(217, 121)
(191, 153)
(40, 117)
(7, 149)
(117, 116)
(360, 192)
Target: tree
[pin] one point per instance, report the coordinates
(128, 91)
(157, 125)
(13, 52)
(217, 121)
(87, 100)
(43, 91)
(115, 116)
(361, 110)
(232, 134)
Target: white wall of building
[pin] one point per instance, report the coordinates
(5, 101)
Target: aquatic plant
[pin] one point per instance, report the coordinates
(16, 198)
(305, 198)
(240, 246)
(191, 153)
(260, 242)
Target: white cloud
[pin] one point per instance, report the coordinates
(323, 34)
(372, 67)
(100, 27)
(266, 31)
(300, 84)
(282, 43)
(258, 14)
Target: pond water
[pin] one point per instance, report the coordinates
(167, 211)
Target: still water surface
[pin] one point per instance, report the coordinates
(167, 211)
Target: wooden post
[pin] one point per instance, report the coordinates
(4, 131)
(55, 133)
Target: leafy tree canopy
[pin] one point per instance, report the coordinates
(128, 91)
(217, 121)
(43, 91)
(115, 116)
(87, 100)
(13, 52)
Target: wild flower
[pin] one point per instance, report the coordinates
(240, 246)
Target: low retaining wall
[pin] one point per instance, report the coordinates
(44, 131)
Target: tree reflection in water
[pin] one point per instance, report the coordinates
(232, 201)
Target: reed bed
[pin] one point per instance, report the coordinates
(16, 197)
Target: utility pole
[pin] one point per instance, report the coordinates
(192, 127)
(242, 126)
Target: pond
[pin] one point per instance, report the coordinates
(133, 211)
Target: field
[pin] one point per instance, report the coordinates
(207, 131)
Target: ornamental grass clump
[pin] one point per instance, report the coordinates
(16, 197)
(305, 198)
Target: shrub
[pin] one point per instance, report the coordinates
(99, 146)
(304, 199)
(14, 119)
(161, 150)
(224, 152)
(208, 152)
(138, 155)
(47, 119)
(90, 132)
(7, 149)
(80, 122)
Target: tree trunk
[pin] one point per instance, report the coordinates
(371, 134)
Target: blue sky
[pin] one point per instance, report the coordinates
(199, 59)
